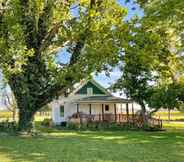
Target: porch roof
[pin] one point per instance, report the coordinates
(103, 99)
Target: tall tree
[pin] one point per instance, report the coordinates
(166, 20)
(166, 97)
(154, 56)
(33, 32)
(138, 64)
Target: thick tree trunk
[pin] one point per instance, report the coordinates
(26, 103)
(33, 90)
(143, 113)
(25, 119)
(14, 114)
(169, 114)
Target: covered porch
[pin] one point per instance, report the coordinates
(109, 109)
(105, 108)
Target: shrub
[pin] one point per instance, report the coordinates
(63, 124)
(47, 122)
(72, 125)
(147, 127)
(115, 126)
(109, 126)
(84, 126)
(6, 126)
(92, 126)
(103, 126)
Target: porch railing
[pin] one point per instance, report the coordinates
(118, 118)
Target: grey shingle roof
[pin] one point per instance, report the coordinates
(102, 99)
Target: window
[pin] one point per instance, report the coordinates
(106, 107)
(89, 91)
(62, 110)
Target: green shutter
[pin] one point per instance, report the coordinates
(62, 110)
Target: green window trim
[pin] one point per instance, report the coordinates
(62, 110)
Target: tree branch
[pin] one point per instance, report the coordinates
(43, 22)
(3, 8)
(29, 25)
(80, 43)
(58, 89)
(49, 36)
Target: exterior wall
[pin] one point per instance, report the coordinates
(96, 108)
(69, 108)
(121, 108)
(56, 112)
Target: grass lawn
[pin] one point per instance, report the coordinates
(86, 146)
(175, 115)
(103, 146)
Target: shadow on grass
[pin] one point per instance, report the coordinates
(84, 146)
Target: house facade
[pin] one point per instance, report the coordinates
(88, 98)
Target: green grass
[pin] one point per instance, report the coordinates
(175, 115)
(172, 113)
(7, 115)
(87, 146)
(174, 125)
(90, 146)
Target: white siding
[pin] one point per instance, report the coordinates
(96, 108)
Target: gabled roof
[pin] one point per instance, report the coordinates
(94, 83)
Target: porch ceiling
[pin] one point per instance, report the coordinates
(103, 99)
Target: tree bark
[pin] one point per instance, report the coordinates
(143, 113)
(25, 119)
(169, 114)
(14, 114)
(26, 102)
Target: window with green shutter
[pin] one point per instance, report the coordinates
(62, 110)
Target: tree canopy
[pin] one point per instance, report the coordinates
(153, 62)
(33, 33)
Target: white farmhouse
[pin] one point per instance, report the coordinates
(88, 98)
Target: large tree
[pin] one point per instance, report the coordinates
(138, 63)
(34, 32)
(166, 19)
(153, 59)
(166, 97)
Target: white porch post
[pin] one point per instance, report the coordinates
(127, 111)
(77, 108)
